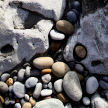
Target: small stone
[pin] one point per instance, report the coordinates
(43, 62)
(10, 89)
(4, 77)
(22, 101)
(79, 68)
(76, 5)
(32, 101)
(28, 71)
(13, 73)
(46, 71)
(59, 69)
(26, 96)
(55, 35)
(80, 51)
(58, 85)
(27, 105)
(21, 73)
(19, 89)
(105, 78)
(17, 105)
(71, 85)
(37, 91)
(91, 85)
(26, 64)
(2, 99)
(31, 82)
(15, 78)
(61, 97)
(68, 105)
(71, 17)
(86, 101)
(50, 85)
(46, 78)
(9, 82)
(65, 27)
(103, 84)
(3, 87)
(46, 92)
(45, 85)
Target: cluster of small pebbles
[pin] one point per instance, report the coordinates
(47, 83)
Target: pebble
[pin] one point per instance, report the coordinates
(27, 105)
(46, 92)
(15, 78)
(55, 35)
(91, 85)
(103, 84)
(58, 85)
(68, 105)
(28, 71)
(9, 82)
(50, 86)
(2, 99)
(17, 105)
(46, 71)
(49, 103)
(3, 87)
(19, 89)
(22, 101)
(31, 82)
(105, 78)
(59, 69)
(43, 62)
(80, 51)
(71, 17)
(79, 68)
(46, 78)
(26, 96)
(61, 97)
(76, 5)
(65, 27)
(45, 85)
(4, 77)
(86, 101)
(32, 101)
(37, 91)
(71, 85)
(21, 73)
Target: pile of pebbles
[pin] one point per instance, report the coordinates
(48, 83)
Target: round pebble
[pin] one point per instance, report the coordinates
(3, 87)
(21, 73)
(55, 35)
(91, 85)
(46, 92)
(65, 27)
(79, 68)
(86, 101)
(31, 82)
(17, 105)
(76, 5)
(46, 78)
(45, 85)
(9, 82)
(26, 96)
(46, 71)
(59, 69)
(4, 77)
(27, 105)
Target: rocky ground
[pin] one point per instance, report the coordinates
(53, 54)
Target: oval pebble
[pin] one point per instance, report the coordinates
(28, 71)
(46, 71)
(55, 35)
(3, 87)
(26, 96)
(21, 73)
(86, 101)
(43, 62)
(68, 105)
(50, 86)
(17, 105)
(46, 78)
(4, 77)
(46, 92)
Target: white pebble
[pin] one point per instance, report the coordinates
(46, 92)
(68, 105)
(86, 101)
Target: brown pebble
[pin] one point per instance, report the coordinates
(80, 51)
(9, 82)
(30, 93)
(1, 99)
(27, 105)
(61, 97)
(32, 101)
(46, 71)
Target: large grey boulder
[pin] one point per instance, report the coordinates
(16, 42)
(51, 9)
(93, 34)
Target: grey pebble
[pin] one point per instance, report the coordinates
(105, 78)
(86, 101)
(5, 76)
(46, 78)
(10, 89)
(26, 97)
(22, 102)
(17, 105)
(21, 73)
(31, 82)
(15, 78)
(28, 71)
(45, 85)
(79, 68)
(50, 86)
(103, 84)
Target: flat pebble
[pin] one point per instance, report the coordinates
(3, 87)
(4, 77)
(46, 78)
(37, 91)
(31, 82)
(46, 71)
(21, 73)
(46, 92)
(103, 84)
(28, 71)
(26, 96)
(58, 85)
(71, 85)
(19, 89)
(86, 101)
(43, 62)
(68, 105)
(27, 105)
(17, 105)
(55, 35)
(59, 69)
(91, 85)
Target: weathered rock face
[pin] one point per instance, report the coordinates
(93, 34)
(52, 9)
(17, 42)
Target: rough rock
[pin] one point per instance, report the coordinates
(52, 9)
(93, 34)
(49, 103)
(18, 42)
